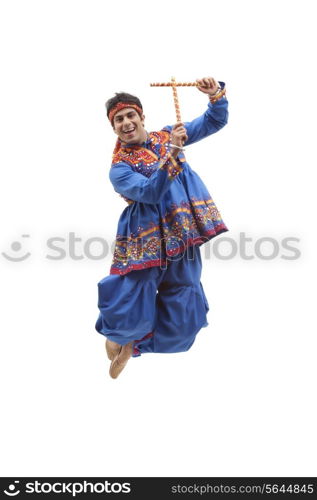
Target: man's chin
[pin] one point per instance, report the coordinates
(128, 137)
(134, 138)
(131, 140)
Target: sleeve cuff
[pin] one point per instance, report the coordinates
(219, 95)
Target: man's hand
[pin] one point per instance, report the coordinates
(178, 137)
(178, 134)
(208, 85)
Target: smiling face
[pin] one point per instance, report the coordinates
(129, 126)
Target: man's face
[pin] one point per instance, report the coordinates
(129, 126)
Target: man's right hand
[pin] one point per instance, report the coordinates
(178, 137)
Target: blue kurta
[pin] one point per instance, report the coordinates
(153, 295)
(169, 208)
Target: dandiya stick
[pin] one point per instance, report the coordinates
(176, 101)
(175, 84)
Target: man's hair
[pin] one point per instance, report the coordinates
(122, 97)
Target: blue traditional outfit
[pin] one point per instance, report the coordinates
(153, 296)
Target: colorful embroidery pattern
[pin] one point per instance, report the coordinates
(190, 223)
(145, 161)
(140, 157)
(169, 164)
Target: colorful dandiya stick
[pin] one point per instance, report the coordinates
(175, 84)
(176, 101)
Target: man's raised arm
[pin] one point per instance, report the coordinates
(214, 118)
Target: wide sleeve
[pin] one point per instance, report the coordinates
(137, 187)
(210, 122)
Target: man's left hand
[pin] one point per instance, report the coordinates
(208, 85)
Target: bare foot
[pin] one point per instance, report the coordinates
(120, 360)
(112, 349)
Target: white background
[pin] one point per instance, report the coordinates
(242, 401)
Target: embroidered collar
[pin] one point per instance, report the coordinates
(154, 147)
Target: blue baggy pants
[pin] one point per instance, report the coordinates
(160, 310)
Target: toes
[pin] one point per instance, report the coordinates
(116, 368)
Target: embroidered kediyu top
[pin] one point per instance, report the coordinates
(169, 208)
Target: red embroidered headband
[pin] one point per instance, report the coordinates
(122, 105)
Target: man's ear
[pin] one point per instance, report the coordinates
(142, 118)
